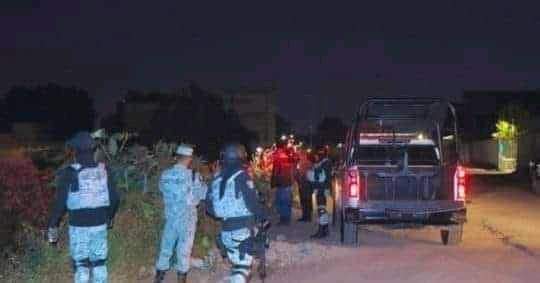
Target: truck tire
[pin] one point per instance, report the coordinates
(453, 235)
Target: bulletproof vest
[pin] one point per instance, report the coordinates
(231, 204)
(92, 190)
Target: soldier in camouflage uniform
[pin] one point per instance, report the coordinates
(86, 192)
(319, 177)
(182, 191)
(233, 200)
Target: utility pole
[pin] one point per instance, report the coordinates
(309, 96)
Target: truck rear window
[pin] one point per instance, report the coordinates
(422, 155)
(392, 155)
(376, 155)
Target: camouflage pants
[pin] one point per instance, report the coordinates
(178, 232)
(322, 196)
(88, 249)
(241, 266)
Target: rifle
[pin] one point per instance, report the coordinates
(262, 242)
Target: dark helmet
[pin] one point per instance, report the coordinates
(314, 157)
(281, 144)
(322, 151)
(233, 153)
(81, 141)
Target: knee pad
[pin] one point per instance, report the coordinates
(97, 263)
(240, 273)
(81, 263)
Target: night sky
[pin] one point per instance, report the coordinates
(324, 56)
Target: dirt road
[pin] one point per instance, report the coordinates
(501, 244)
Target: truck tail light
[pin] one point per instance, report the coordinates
(460, 185)
(353, 181)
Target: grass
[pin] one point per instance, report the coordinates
(133, 245)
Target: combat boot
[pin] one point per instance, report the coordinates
(182, 277)
(319, 232)
(160, 275)
(322, 232)
(325, 231)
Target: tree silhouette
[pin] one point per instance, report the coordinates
(283, 126)
(4, 125)
(331, 130)
(61, 110)
(199, 118)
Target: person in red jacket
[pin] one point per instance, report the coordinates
(282, 179)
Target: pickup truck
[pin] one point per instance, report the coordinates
(401, 164)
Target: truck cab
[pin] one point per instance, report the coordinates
(401, 164)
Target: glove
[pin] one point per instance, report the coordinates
(52, 236)
(110, 224)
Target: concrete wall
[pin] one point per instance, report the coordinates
(484, 152)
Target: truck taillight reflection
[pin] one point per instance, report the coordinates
(353, 183)
(460, 185)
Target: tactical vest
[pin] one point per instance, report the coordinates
(310, 175)
(92, 190)
(229, 205)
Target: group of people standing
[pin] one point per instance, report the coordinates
(86, 192)
(313, 177)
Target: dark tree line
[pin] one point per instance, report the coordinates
(330, 131)
(200, 118)
(60, 110)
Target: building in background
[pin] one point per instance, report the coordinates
(136, 111)
(256, 108)
(482, 107)
(481, 111)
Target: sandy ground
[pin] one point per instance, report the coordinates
(501, 244)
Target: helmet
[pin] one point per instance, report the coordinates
(234, 153)
(314, 157)
(81, 141)
(281, 143)
(322, 151)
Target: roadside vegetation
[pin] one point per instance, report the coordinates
(27, 189)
